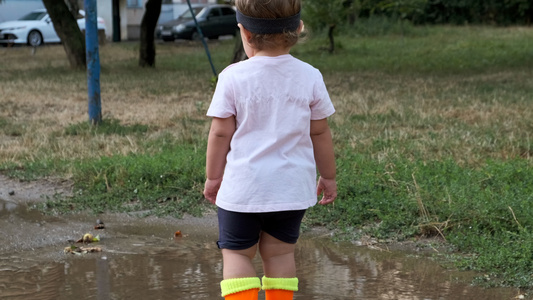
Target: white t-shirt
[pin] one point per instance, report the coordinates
(270, 165)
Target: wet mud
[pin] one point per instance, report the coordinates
(142, 259)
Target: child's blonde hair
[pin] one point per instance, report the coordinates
(271, 9)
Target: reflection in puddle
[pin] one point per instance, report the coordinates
(140, 260)
(141, 267)
(7, 207)
(342, 271)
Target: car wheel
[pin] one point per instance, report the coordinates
(35, 38)
(195, 36)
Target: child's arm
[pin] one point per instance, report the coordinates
(325, 160)
(218, 145)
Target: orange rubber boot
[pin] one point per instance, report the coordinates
(280, 288)
(240, 288)
(252, 294)
(279, 295)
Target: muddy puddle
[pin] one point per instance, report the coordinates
(141, 259)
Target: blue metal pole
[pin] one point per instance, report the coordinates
(203, 39)
(93, 62)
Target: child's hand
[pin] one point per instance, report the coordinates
(329, 187)
(211, 189)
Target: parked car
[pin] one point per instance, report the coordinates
(36, 28)
(214, 20)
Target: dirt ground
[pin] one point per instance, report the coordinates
(25, 229)
(30, 239)
(12, 190)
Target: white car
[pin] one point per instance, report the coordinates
(36, 28)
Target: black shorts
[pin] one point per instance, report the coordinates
(239, 231)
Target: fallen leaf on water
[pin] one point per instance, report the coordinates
(178, 234)
(88, 238)
(81, 250)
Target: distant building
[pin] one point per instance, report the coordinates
(171, 9)
(131, 13)
(14, 9)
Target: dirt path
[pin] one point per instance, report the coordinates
(16, 191)
(26, 230)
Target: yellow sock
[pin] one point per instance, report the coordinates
(240, 288)
(280, 288)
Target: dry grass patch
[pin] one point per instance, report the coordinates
(38, 107)
(468, 116)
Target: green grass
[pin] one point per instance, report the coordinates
(106, 127)
(425, 50)
(432, 136)
(165, 183)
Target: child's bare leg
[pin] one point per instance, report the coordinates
(280, 280)
(277, 257)
(240, 281)
(238, 263)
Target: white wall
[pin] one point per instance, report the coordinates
(167, 13)
(14, 9)
(104, 9)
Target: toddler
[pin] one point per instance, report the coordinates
(269, 134)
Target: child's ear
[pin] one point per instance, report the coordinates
(301, 27)
(245, 33)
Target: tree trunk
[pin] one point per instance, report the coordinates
(330, 35)
(148, 24)
(73, 7)
(68, 31)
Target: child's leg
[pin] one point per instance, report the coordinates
(277, 257)
(238, 263)
(238, 237)
(279, 266)
(240, 280)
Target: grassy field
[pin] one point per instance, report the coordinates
(433, 136)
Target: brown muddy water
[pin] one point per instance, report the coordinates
(141, 259)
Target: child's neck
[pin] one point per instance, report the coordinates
(272, 52)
